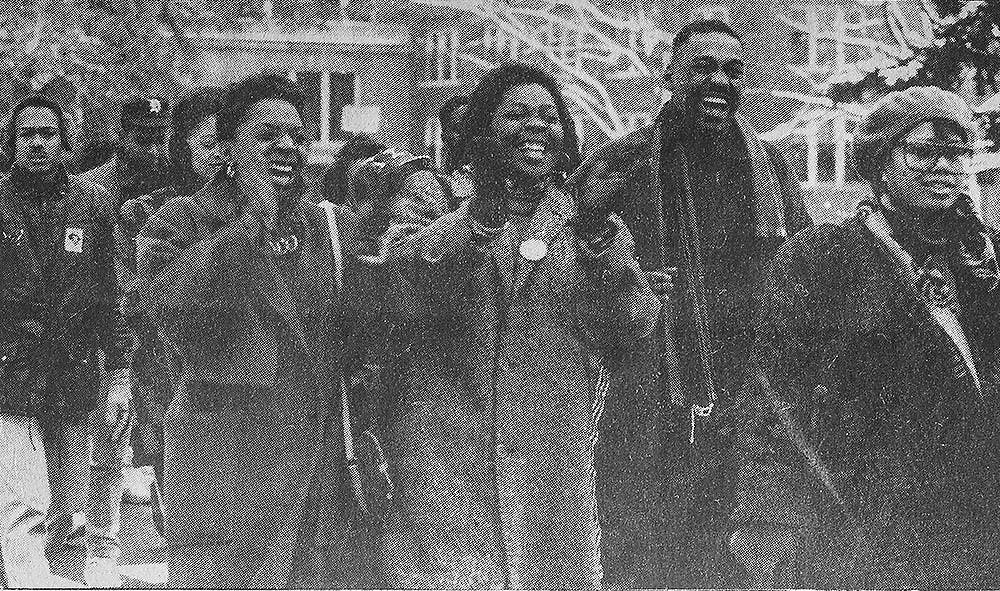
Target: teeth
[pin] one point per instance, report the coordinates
(535, 147)
(283, 168)
(714, 100)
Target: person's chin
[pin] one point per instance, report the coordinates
(938, 201)
(285, 185)
(531, 170)
(929, 202)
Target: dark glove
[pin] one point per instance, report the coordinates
(963, 222)
(489, 203)
(133, 215)
(381, 176)
(599, 186)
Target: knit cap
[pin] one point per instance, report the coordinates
(896, 114)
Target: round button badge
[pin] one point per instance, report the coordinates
(533, 249)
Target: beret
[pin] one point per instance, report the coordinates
(897, 113)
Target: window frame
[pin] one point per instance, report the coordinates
(323, 131)
(441, 58)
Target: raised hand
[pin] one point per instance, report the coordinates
(599, 182)
(489, 203)
(383, 174)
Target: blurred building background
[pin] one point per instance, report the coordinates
(386, 66)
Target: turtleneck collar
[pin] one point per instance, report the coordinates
(37, 186)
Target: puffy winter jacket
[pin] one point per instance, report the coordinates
(59, 296)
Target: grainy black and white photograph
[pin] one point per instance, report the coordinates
(500, 294)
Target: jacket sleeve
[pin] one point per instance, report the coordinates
(434, 252)
(116, 338)
(193, 289)
(787, 471)
(619, 306)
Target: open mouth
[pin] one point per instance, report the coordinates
(533, 151)
(282, 172)
(715, 105)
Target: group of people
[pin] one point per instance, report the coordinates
(527, 369)
(73, 380)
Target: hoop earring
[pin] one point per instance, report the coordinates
(560, 170)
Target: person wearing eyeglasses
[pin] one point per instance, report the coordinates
(872, 458)
(708, 202)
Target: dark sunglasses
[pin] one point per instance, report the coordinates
(924, 156)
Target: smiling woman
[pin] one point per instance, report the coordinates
(516, 304)
(238, 278)
(878, 353)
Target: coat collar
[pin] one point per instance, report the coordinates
(217, 201)
(947, 329)
(552, 214)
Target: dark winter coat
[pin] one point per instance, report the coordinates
(499, 391)
(59, 297)
(109, 176)
(650, 475)
(154, 366)
(902, 484)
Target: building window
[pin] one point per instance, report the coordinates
(711, 12)
(326, 95)
(818, 33)
(564, 42)
(819, 153)
(441, 63)
(500, 44)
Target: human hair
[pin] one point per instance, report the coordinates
(335, 182)
(450, 106)
(240, 96)
(36, 100)
(486, 98)
(186, 116)
(712, 25)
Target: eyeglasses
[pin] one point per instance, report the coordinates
(924, 156)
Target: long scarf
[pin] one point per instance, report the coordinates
(768, 223)
(933, 281)
(768, 204)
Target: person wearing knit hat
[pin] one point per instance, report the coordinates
(899, 112)
(871, 456)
